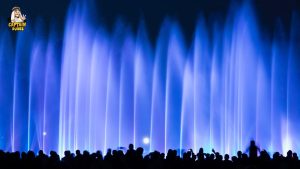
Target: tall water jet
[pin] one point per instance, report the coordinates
(6, 95)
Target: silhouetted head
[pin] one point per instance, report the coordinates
(99, 155)
(169, 152)
(140, 151)
(276, 155)
(219, 157)
(244, 156)
(162, 156)
(264, 154)
(67, 153)
(252, 143)
(99, 152)
(174, 152)
(239, 154)
(78, 152)
(52, 153)
(201, 150)
(185, 155)
(86, 153)
(289, 154)
(108, 151)
(41, 152)
(130, 147)
(234, 158)
(226, 157)
(30, 154)
(211, 156)
(23, 155)
(120, 153)
(295, 156)
(17, 154)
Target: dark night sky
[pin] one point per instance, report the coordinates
(155, 11)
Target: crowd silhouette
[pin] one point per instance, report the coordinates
(134, 159)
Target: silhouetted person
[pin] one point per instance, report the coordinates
(295, 156)
(227, 163)
(67, 160)
(42, 159)
(253, 149)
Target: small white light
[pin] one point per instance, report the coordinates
(146, 140)
(44, 133)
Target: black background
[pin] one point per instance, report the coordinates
(153, 12)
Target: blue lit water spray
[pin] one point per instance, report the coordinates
(106, 90)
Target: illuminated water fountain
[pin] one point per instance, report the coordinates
(105, 90)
